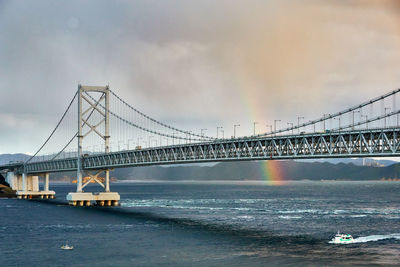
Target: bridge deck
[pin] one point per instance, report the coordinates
(356, 143)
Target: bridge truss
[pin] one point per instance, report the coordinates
(364, 143)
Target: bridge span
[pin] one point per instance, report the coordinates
(356, 143)
(354, 139)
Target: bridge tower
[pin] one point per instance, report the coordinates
(80, 197)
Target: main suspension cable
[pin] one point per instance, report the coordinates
(70, 141)
(367, 121)
(159, 122)
(148, 130)
(52, 133)
(330, 116)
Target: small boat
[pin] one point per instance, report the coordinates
(67, 247)
(342, 239)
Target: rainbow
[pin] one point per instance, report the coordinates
(272, 172)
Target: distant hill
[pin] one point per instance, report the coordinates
(252, 170)
(6, 158)
(358, 161)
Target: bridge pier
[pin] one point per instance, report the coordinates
(27, 186)
(106, 198)
(46, 182)
(88, 198)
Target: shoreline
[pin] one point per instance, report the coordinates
(7, 192)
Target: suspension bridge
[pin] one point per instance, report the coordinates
(99, 131)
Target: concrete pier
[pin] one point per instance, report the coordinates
(87, 198)
(35, 195)
(27, 186)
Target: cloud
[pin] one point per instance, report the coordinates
(304, 54)
(197, 64)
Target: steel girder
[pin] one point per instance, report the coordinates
(59, 165)
(357, 143)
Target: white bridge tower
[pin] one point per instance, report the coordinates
(87, 106)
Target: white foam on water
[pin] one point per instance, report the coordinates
(393, 217)
(245, 217)
(67, 226)
(195, 201)
(299, 211)
(196, 204)
(371, 238)
(358, 216)
(290, 217)
(363, 212)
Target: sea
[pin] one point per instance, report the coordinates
(220, 223)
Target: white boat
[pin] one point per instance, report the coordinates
(67, 247)
(342, 239)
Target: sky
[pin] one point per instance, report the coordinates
(194, 64)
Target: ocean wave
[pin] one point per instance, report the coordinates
(358, 216)
(172, 206)
(197, 201)
(67, 226)
(246, 217)
(362, 212)
(195, 204)
(300, 211)
(393, 217)
(256, 206)
(290, 217)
